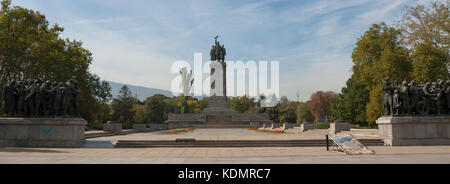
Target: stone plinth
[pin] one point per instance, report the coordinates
(158, 127)
(288, 126)
(306, 127)
(140, 127)
(255, 124)
(42, 132)
(414, 131)
(339, 126)
(218, 79)
(113, 127)
(275, 126)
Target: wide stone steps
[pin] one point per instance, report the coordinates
(235, 143)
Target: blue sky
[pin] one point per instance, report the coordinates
(136, 41)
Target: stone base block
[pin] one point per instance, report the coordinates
(255, 124)
(414, 131)
(306, 127)
(339, 127)
(288, 126)
(160, 126)
(140, 127)
(42, 132)
(275, 126)
(113, 127)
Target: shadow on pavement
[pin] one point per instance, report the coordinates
(98, 144)
(29, 150)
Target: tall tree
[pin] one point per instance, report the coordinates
(350, 105)
(123, 105)
(427, 34)
(379, 53)
(284, 100)
(422, 25)
(320, 105)
(157, 108)
(430, 63)
(304, 113)
(288, 112)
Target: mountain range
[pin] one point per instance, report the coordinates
(139, 91)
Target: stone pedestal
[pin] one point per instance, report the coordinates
(42, 132)
(255, 124)
(414, 131)
(287, 126)
(113, 127)
(159, 127)
(306, 127)
(339, 126)
(218, 79)
(140, 127)
(275, 126)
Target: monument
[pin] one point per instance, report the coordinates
(416, 114)
(218, 114)
(39, 115)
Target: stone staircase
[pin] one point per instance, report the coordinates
(235, 143)
(218, 102)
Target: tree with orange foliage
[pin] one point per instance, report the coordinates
(320, 105)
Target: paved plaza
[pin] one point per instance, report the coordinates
(101, 151)
(238, 134)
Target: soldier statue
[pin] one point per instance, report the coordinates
(218, 52)
(9, 98)
(35, 98)
(57, 100)
(387, 98)
(21, 94)
(404, 97)
(70, 94)
(396, 103)
(414, 99)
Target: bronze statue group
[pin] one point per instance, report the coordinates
(416, 99)
(218, 52)
(35, 98)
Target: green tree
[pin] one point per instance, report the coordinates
(241, 104)
(157, 108)
(284, 100)
(139, 113)
(379, 53)
(422, 25)
(375, 108)
(288, 113)
(304, 113)
(123, 105)
(204, 103)
(350, 105)
(430, 63)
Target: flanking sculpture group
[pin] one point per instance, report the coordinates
(416, 99)
(35, 98)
